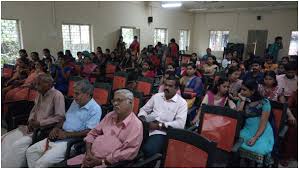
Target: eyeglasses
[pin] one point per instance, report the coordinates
(117, 100)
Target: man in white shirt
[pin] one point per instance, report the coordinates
(163, 110)
(289, 80)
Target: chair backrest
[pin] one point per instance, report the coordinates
(72, 81)
(221, 125)
(144, 85)
(110, 70)
(185, 149)
(8, 70)
(120, 80)
(101, 93)
(32, 95)
(137, 101)
(278, 110)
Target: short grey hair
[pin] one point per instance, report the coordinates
(45, 78)
(128, 94)
(84, 86)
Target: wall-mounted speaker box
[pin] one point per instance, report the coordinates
(259, 18)
(150, 19)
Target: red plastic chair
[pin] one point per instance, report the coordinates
(137, 102)
(72, 81)
(186, 149)
(102, 95)
(145, 85)
(221, 125)
(120, 80)
(7, 71)
(110, 70)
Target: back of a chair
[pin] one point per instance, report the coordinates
(278, 110)
(145, 85)
(72, 81)
(221, 125)
(101, 93)
(32, 95)
(185, 149)
(7, 71)
(137, 102)
(110, 70)
(120, 80)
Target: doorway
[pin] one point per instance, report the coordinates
(257, 42)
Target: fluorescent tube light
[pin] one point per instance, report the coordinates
(171, 5)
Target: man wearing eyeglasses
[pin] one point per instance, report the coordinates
(117, 137)
(163, 110)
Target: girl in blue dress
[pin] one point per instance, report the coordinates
(257, 131)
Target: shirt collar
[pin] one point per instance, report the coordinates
(88, 105)
(48, 92)
(126, 121)
(174, 98)
(295, 78)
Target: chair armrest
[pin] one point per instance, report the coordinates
(42, 132)
(119, 164)
(283, 131)
(237, 145)
(47, 126)
(142, 163)
(192, 109)
(70, 143)
(192, 128)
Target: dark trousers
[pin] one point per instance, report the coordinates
(154, 144)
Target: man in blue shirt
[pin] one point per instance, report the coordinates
(209, 53)
(83, 115)
(255, 72)
(275, 47)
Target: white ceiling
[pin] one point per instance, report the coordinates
(227, 6)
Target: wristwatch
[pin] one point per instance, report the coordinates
(160, 125)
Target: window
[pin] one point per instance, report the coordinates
(10, 41)
(128, 36)
(218, 40)
(76, 38)
(160, 36)
(293, 49)
(184, 40)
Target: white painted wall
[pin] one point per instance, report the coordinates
(41, 21)
(278, 23)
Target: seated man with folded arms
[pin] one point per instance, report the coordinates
(117, 137)
(48, 109)
(163, 110)
(82, 116)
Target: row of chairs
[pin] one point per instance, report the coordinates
(102, 91)
(207, 146)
